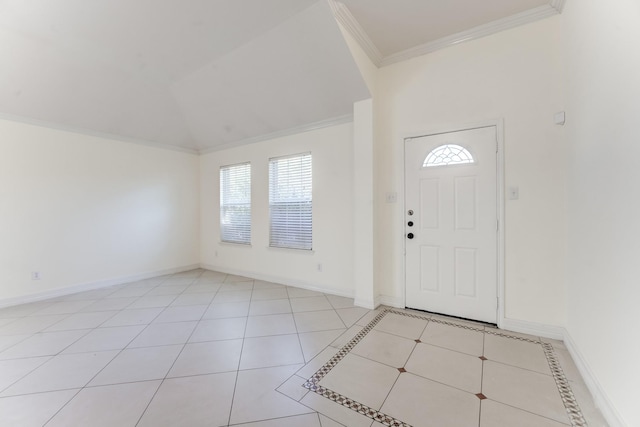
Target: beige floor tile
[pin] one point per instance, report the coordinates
(589, 409)
(181, 314)
(62, 372)
(274, 306)
(110, 304)
(449, 367)
(103, 339)
(200, 401)
(495, 414)
(310, 304)
(316, 363)
(335, 412)
(207, 358)
(276, 350)
(302, 293)
(351, 315)
(205, 288)
(14, 369)
(129, 317)
(82, 321)
(33, 410)
(328, 422)
(153, 301)
(293, 388)
(314, 342)
(568, 365)
(31, 325)
(453, 338)
(232, 278)
(367, 318)
(361, 379)
(385, 348)
(23, 309)
(340, 302)
(524, 389)
(7, 341)
(219, 329)
(138, 364)
(167, 290)
(129, 292)
(256, 397)
(261, 284)
(232, 296)
(312, 321)
(439, 405)
(307, 420)
(65, 307)
(43, 344)
(262, 294)
(346, 336)
(273, 324)
(178, 281)
(227, 309)
(95, 406)
(402, 326)
(236, 287)
(517, 353)
(199, 298)
(164, 334)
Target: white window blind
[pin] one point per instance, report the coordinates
(290, 202)
(235, 203)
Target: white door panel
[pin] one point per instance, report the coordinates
(451, 259)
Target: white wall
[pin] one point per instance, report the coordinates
(514, 75)
(332, 152)
(82, 209)
(602, 50)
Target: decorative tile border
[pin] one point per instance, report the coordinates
(566, 394)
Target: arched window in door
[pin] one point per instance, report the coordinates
(448, 154)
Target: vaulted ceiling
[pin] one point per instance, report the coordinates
(208, 74)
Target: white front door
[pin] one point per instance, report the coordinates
(451, 223)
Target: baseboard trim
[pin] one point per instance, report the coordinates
(598, 393)
(395, 302)
(311, 286)
(600, 398)
(90, 286)
(533, 328)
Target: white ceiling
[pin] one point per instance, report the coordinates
(207, 74)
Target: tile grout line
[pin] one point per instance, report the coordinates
(235, 383)
(564, 388)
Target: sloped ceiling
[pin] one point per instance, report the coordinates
(193, 74)
(202, 75)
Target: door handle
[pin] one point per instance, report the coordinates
(410, 236)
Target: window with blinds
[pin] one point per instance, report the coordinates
(290, 202)
(235, 203)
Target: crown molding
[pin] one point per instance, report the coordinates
(480, 31)
(558, 5)
(347, 118)
(348, 21)
(97, 134)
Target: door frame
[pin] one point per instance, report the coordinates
(500, 199)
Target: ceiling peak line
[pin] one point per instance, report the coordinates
(348, 21)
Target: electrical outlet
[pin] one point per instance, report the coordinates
(35, 275)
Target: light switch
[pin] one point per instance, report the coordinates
(513, 193)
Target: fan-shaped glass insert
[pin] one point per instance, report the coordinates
(448, 154)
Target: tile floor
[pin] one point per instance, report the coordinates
(203, 348)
